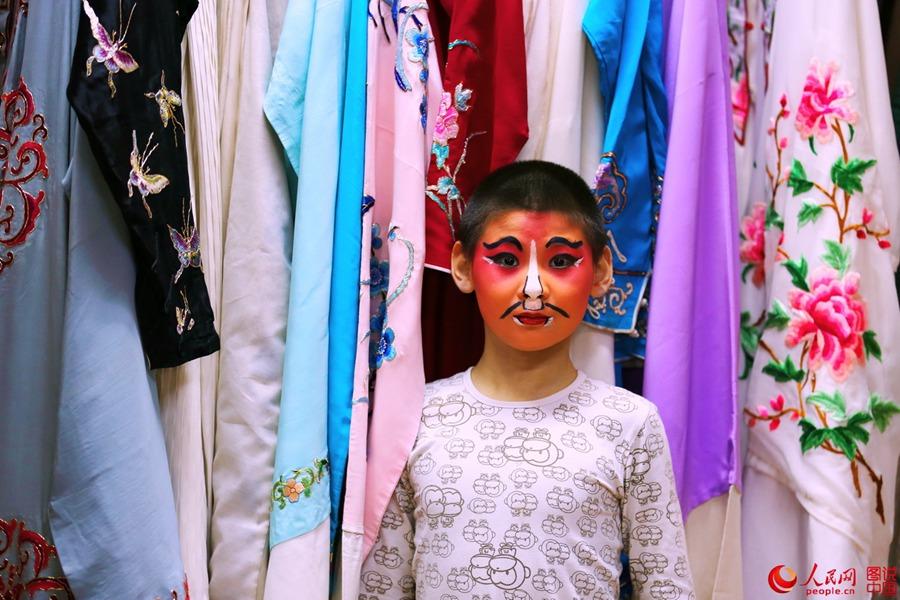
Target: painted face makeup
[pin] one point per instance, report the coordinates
(532, 273)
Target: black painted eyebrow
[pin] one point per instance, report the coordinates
(563, 241)
(504, 240)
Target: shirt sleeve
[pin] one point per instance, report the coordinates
(652, 528)
(387, 573)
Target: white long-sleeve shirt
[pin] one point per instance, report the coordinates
(532, 500)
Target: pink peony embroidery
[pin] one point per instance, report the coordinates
(740, 103)
(753, 246)
(445, 127)
(823, 97)
(832, 318)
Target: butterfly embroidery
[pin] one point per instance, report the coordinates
(187, 244)
(167, 100)
(183, 320)
(146, 183)
(110, 48)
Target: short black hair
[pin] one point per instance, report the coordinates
(535, 185)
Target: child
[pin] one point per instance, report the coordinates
(528, 479)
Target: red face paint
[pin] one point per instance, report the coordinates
(533, 273)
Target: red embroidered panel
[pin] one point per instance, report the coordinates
(24, 556)
(22, 159)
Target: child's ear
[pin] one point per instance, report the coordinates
(461, 269)
(602, 274)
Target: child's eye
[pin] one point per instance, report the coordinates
(504, 259)
(562, 261)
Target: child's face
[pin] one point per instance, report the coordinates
(532, 273)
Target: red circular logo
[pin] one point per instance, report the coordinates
(779, 583)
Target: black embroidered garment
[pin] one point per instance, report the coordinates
(124, 87)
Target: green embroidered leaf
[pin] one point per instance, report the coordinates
(811, 437)
(855, 430)
(812, 146)
(774, 219)
(838, 436)
(797, 179)
(882, 411)
(809, 212)
(831, 403)
(837, 256)
(778, 317)
(784, 371)
(852, 133)
(873, 348)
(848, 176)
(749, 340)
(859, 418)
(798, 271)
(744, 272)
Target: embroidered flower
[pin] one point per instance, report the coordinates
(441, 153)
(832, 318)
(292, 490)
(461, 97)
(740, 101)
(376, 236)
(447, 187)
(823, 97)
(378, 275)
(445, 127)
(385, 349)
(753, 244)
(419, 42)
(376, 321)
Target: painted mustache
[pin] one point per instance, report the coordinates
(507, 312)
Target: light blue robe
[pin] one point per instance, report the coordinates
(343, 318)
(304, 104)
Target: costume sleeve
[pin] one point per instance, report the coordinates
(652, 529)
(387, 573)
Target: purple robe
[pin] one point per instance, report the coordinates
(692, 341)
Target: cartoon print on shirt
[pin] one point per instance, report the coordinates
(482, 506)
(517, 492)
(587, 482)
(555, 525)
(490, 429)
(568, 414)
(584, 583)
(501, 568)
(459, 447)
(585, 554)
(587, 526)
(478, 532)
(521, 504)
(555, 552)
(556, 472)
(576, 441)
(531, 414)
(546, 581)
(450, 473)
(442, 505)
(581, 398)
(606, 427)
(446, 412)
(388, 557)
(562, 499)
(492, 456)
(460, 580)
(520, 536)
(536, 449)
(523, 478)
(489, 485)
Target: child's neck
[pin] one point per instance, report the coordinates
(505, 373)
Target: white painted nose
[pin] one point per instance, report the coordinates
(533, 291)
